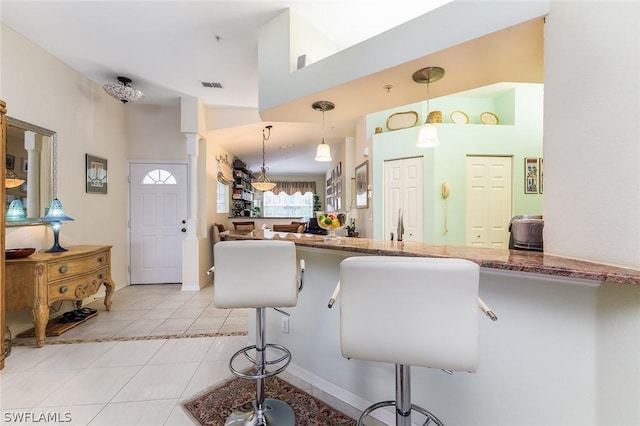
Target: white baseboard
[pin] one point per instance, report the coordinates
(337, 392)
(194, 287)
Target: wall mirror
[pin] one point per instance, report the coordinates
(31, 156)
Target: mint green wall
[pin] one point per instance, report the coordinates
(519, 135)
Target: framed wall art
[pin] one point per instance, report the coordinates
(96, 174)
(362, 184)
(531, 169)
(11, 161)
(541, 175)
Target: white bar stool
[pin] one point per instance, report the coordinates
(409, 311)
(260, 275)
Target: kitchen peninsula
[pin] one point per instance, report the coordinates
(561, 349)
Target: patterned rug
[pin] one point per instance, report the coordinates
(31, 341)
(212, 407)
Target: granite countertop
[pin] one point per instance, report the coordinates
(507, 260)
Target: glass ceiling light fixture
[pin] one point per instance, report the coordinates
(323, 152)
(123, 91)
(55, 216)
(262, 182)
(11, 179)
(428, 135)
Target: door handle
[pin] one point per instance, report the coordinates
(184, 229)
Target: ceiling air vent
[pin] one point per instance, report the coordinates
(212, 84)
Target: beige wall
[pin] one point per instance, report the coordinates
(153, 133)
(591, 195)
(42, 90)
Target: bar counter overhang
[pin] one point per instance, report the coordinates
(565, 350)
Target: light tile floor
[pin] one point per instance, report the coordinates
(133, 365)
(155, 310)
(113, 377)
(123, 383)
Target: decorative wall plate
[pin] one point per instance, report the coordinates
(402, 120)
(489, 118)
(459, 117)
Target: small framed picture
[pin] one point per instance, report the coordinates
(541, 175)
(96, 175)
(11, 161)
(25, 165)
(531, 170)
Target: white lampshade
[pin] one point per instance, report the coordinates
(428, 136)
(323, 152)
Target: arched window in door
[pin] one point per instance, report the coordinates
(159, 177)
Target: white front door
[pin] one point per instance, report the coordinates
(489, 201)
(158, 221)
(403, 189)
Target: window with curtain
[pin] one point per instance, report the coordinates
(225, 179)
(289, 199)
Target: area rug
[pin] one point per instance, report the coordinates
(212, 407)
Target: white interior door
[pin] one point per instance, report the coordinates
(489, 201)
(404, 189)
(158, 221)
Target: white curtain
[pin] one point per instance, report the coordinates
(225, 173)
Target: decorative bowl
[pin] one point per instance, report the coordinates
(18, 253)
(330, 221)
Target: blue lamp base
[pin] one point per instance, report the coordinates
(56, 244)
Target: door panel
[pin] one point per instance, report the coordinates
(158, 206)
(403, 189)
(412, 210)
(489, 201)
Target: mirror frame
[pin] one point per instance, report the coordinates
(54, 165)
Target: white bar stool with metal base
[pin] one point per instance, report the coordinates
(260, 275)
(409, 311)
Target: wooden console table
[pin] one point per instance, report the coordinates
(43, 278)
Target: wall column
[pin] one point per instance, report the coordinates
(33, 146)
(192, 210)
(190, 244)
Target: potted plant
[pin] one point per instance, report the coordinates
(317, 205)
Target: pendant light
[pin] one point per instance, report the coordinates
(428, 135)
(323, 152)
(11, 179)
(262, 182)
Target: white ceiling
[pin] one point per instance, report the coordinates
(169, 47)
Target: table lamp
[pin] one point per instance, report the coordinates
(15, 211)
(55, 216)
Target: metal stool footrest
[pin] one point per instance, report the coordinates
(286, 358)
(430, 417)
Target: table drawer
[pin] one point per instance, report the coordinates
(79, 287)
(78, 266)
